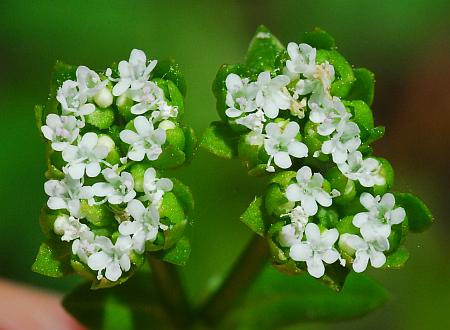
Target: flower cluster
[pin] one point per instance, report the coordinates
(106, 136)
(297, 113)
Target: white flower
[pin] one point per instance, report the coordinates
(365, 250)
(134, 73)
(164, 112)
(60, 130)
(85, 157)
(280, 146)
(68, 227)
(145, 141)
(154, 187)
(72, 102)
(66, 194)
(89, 83)
(366, 171)
(84, 246)
(117, 189)
(317, 248)
(331, 115)
(271, 95)
(292, 233)
(308, 191)
(240, 97)
(112, 258)
(145, 225)
(380, 215)
(344, 141)
(254, 121)
(149, 97)
(302, 59)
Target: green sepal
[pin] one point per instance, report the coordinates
(364, 86)
(397, 259)
(319, 39)
(263, 51)
(276, 202)
(327, 217)
(179, 253)
(170, 70)
(175, 137)
(138, 171)
(219, 140)
(419, 215)
(171, 208)
(361, 115)
(174, 234)
(344, 77)
(53, 259)
(183, 194)
(99, 215)
(253, 216)
(101, 118)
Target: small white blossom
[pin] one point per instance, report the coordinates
(85, 157)
(302, 59)
(145, 141)
(66, 194)
(145, 225)
(281, 145)
(164, 112)
(365, 250)
(272, 95)
(317, 248)
(62, 131)
(292, 233)
(343, 142)
(72, 103)
(241, 96)
(113, 258)
(332, 116)
(68, 227)
(366, 171)
(84, 246)
(254, 121)
(380, 216)
(89, 83)
(134, 73)
(117, 189)
(147, 98)
(308, 191)
(154, 188)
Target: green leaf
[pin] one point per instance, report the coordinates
(169, 70)
(134, 305)
(183, 194)
(171, 208)
(253, 216)
(364, 86)
(263, 50)
(276, 300)
(219, 140)
(53, 259)
(318, 38)
(419, 215)
(179, 253)
(397, 259)
(170, 157)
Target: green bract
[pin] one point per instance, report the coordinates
(302, 114)
(108, 137)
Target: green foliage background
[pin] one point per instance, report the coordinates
(390, 38)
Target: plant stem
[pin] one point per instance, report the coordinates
(171, 291)
(243, 273)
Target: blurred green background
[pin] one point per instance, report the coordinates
(406, 43)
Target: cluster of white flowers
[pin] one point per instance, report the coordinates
(85, 156)
(303, 85)
(309, 244)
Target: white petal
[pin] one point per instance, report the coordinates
(102, 189)
(99, 260)
(298, 149)
(293, 192)
(398, 215)
(282, 159)
(136, 209)
(367, 200)
(56, 203)
(113, 271)
(360, 262)
(93, 169)
(300, 252)
(136, 154)
(329, 237)
(233, 112)
(309, 204)
(330, 256)
(121, 87)
(388, 201)
(129, 227)
(304, 174)
(128, 136)
(315, 267)
(143, 126)
(77, 171)
(360, 219)
(377, 259)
